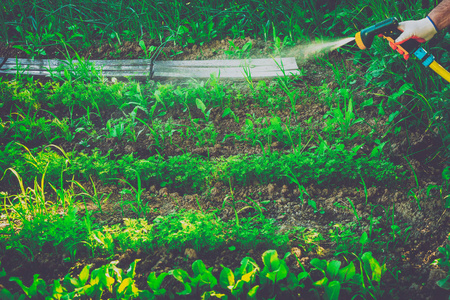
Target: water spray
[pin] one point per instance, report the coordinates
(388, 29)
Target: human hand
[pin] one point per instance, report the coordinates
(421, 30)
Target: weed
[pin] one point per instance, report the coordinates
(97, 199)
(188, 229)
(445, 263)
(307, 239)
(148, 52)
(229, 112)
(137, 204)
(341, 118)
(235, 51)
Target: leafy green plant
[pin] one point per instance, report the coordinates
(444, 262)
(134, 234)
(202, 107)
(148, 52)
(330, 283)
(50, 231)
(207, 135)
(241, 281)
(372, 271)
(96, 95)
(306, 238)
(229, 112)
(97, 199)
(342, 118)
(191, 230)
(201, 281)
(80, 70)
(291, 93)
(115, 128)
(154, 284)
(137, 204)
(235, 51)
(274, 270)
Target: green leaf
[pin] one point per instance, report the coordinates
(84, 275)
(17, 280)
(209, 279)
(381, 109)
(57, 288)
(446, 175)
(238, 288)
(367, 103)
(292, 281)
(302, 276)
(37, 286)
(333, 268)
(270, 260)
(332, 290)
(372, 267)
(187, 290)
(252, 292)
(142, 44)
(6, 295)
(405, 87)
(444, 283)
(320, 264)
(126, 284)
(131, 272)
(392, 116)
(181, 275)
(226, 279)
(364, 238)
(278, 274)
(198, 267)
(226, 112)
(209, 294)
(347, 273)
(247, 277)
(322, 282)
(200, 105)
(155, 282)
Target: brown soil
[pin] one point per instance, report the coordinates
(429, 225)
(131, 50)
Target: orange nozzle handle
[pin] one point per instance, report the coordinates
(396, 47)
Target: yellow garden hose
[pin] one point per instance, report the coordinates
(440, 70)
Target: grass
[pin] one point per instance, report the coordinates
(133, 149)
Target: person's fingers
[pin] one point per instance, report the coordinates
(403, 37)
(401, 26)
(420, 40)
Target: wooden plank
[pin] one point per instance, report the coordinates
(204, 74)
(228, 63)
(217, 69)
(106, 74)
(287, 62)
(127, 62)
(158, 68)
(26, 72)
(142, 68)
(259, 68)
(237, 75)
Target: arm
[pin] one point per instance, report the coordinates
(440, 15)
(423, 30)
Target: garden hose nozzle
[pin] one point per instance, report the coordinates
(388, 29)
